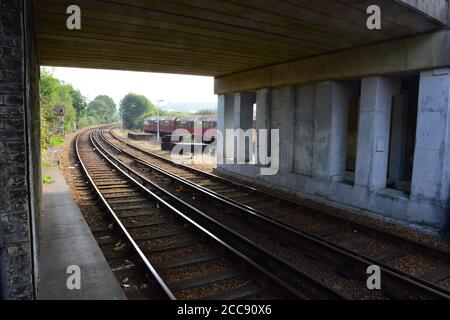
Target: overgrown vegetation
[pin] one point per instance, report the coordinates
(56, 95)
(48, 165)
(56, 141)
(79, 113)
(46, 179)
(134, 108)
(206, 112)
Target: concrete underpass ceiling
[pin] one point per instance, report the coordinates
(213, 37)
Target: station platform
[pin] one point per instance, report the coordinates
(65, 240)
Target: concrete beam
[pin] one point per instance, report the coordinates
(395, 57)
(436, 9)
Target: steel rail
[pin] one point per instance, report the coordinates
(382, 234)
(152, 271)
(286, 272)
(162, 203)
(421, 287)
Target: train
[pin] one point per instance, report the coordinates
(194, 124)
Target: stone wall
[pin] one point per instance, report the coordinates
(19, 149)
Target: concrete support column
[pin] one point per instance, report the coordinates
(225, 111)
(282, 110)
(374, 130)
(304, 129)
(330, 129)
(431, 171)
(262, 122)
(243, 120)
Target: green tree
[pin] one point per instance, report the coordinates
(54, 95)
(65, 101)
(102, 108)
(111, 105)
(206, 112)
(134, 108)
(48, 97)
(79, 102)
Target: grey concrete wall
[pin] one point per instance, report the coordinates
(398, 137)
(304, 129)
(431, 174)
(243, 119)
(427, 206)
(19, 149)
(283, 102)
(262, 122)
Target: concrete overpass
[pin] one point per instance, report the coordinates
(290, 57)
(218, 38)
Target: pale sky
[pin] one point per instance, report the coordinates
(172, 88)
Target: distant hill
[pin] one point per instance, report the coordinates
(190, 107)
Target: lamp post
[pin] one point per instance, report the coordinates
(157, 123)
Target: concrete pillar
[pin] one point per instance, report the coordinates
(262, 122)
(243, 120)
(225, 112)
(431, 171)
(283, 101)
(19, 151)
(330, 129)
(374, 130)
(304, 129)
(398, 137)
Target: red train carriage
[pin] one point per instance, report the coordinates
(150, 125)
(209, 128)
(206, 125)
(166, 124)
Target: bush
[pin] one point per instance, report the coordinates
(56, 141)
(46, 179)
(86, 122)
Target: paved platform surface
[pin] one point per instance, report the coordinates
(67, 240)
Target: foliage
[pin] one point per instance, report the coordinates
(56, 141)
(79, 102)
(163, 112)
(103, 109)
(134, 109)
(206, 112)
(48, 165)
(46, 179)
(338, 287)
(54, 95)
(86, 122)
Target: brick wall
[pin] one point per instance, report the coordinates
(19, 149)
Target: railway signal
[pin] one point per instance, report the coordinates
(61, 115)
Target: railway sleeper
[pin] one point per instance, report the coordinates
(204, 280)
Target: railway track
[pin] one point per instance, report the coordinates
(397, 283)
(185, 258)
